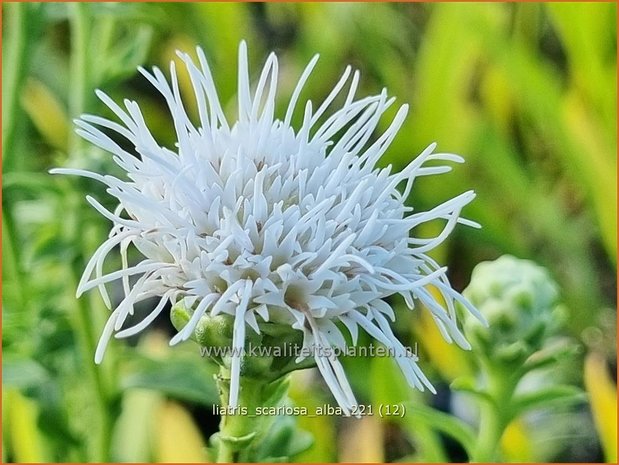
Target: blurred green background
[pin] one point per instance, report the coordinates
(525, 92)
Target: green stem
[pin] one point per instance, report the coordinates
(14, 72)
(79, 98)
(21, 31)
(11, 258)
(103, 396)
(495, 415)
(490, 432)
(80, 68)
(86, 328)
(241, 430)
(105, 35)
(14, 67)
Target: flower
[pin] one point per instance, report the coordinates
(267, 223)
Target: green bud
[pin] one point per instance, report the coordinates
(519, 300)
(215, 331)
(179, 316)
(270, 354)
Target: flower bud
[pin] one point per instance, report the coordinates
(519, 300)
(268, 355)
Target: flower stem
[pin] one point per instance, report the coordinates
(81, 87)
(102, 395)
(15, 66)
(80, 69)
(490, 432)
(15, 70)
(495, 415)
(241, 429)
(12, 259)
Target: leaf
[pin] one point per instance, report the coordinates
(548, 397)
(467, 384)
(321, 427)
(283, 441)
(389, 388)
(31, 183)
(127, 55)
(134, 428)
(554, 353)
(184, 379)
(560, 118)
(49, 243)
(22, 373)
(516, 442)
(362, 441)
(588, 35)
(444, 423)
(603, 394)
(24, 435)
(177, 438)
(130, 12)
(46, 112)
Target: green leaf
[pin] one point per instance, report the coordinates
(588, 34)
(49, 243)
(184, 379)
(442, 422)
(554, 353)
(131, 439)
(29, 183)
(389, 388)
(283, 441)
(550, 397)
(467, 385)
(130, 12)
(126, 56)
(22, 373)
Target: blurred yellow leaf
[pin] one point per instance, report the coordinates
(362, 441)
(603, 397)
(22, 416)
(515, 443)
(304, 394)
(496, 94)
(588, 34)
(177, 438)
(46, 112)
(598, 164)
(389, 387)
(133, 434)
(450, 360)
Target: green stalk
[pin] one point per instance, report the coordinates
(14, 72)
(80, 68)
(490, 432)
(103, 398)
(241, 431)
(15, 65)
(494, 416)
(87, 330)
(11, 258)
(81, 88)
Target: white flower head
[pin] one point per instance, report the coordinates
(265, 222)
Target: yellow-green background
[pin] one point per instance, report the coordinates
(525, 92)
